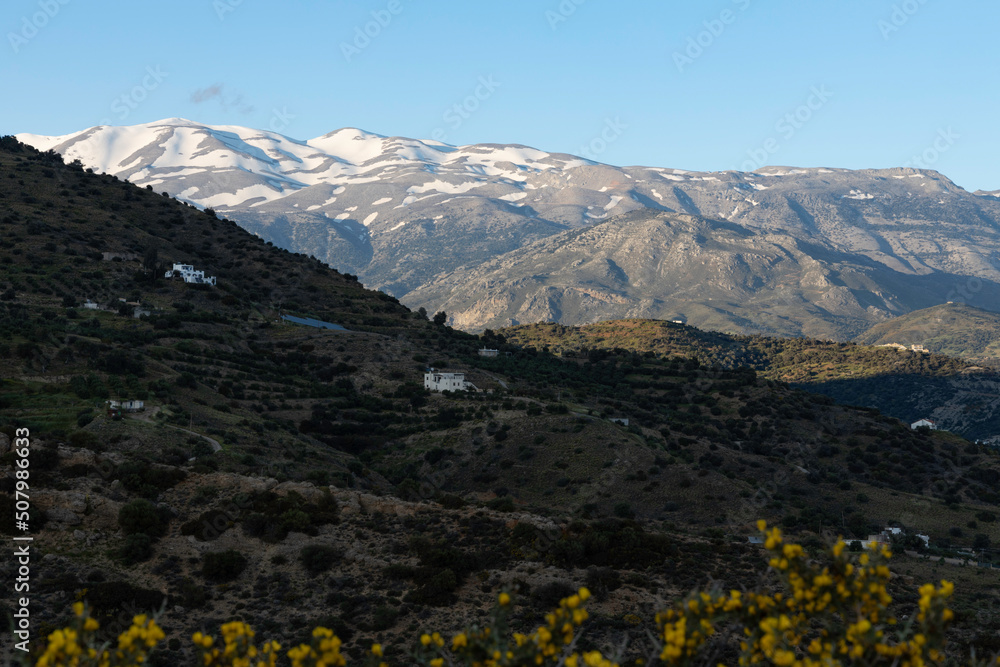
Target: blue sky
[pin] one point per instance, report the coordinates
(712, 85)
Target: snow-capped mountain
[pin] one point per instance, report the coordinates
(401, 213)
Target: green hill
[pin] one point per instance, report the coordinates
(955, 329)
(295, 476)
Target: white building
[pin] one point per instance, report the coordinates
(488, 353)
(447, 382)
(90, 305)
(127, 406)
(884, 538)
(929, 423)
(187, 272)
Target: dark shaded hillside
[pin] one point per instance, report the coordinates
(297, 476)
(905, 384)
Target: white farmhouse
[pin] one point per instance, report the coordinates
(127, 406)
(486, 352)
(187, 272)
(447, 382)
(929, 423)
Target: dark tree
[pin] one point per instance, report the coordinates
(149, 263)
(440, 318)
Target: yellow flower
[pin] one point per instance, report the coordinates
(504, 599)
(377, 650)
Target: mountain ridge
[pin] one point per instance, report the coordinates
(402, 213)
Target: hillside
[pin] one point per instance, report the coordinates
(907, 385)
(295, 476)
(815, 252)
(955, 329)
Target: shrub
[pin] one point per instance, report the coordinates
(436, 590)
(384, 618)
(548, 595)
(142, 516)
(223, 565)
(138, 547)
(602, 580)
(505, 504)
(317, 558)
(624, 510)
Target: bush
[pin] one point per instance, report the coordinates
(318, 558)
(142, 516)
(548, 595)
(384, 618)
(505, 504)
(437, 590)
(138, 547)
(223, 565)
(624, 511)
(602, 580)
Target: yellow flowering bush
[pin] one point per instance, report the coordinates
(77, 646)
(829, 613)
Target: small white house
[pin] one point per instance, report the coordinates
(929, 423)
(447, 382)
(484, 352)
(189, 275)
(90, 305)
(127, 406)
(884, 538)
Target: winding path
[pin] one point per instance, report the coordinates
(148, 418)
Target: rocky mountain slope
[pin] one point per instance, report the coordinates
(711, 273)
(401, 212)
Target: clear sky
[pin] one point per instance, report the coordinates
(708, 85)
